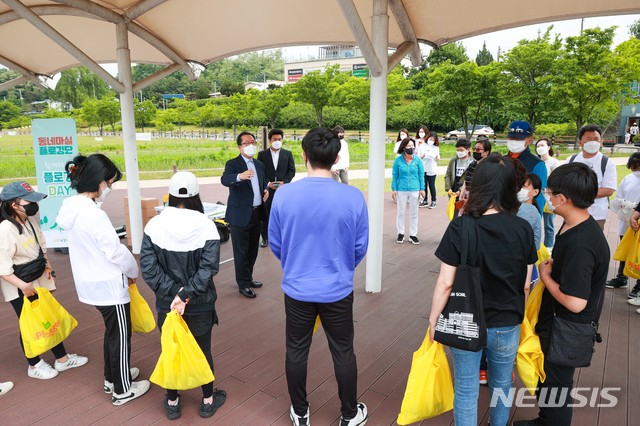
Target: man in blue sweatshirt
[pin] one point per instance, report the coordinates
(319, 229)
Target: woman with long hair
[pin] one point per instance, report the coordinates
(179, 257)
(102, 269)
(429, 153)
(506, 254)
(21, 242)
(402, 135)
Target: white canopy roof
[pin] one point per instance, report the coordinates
(163, 31)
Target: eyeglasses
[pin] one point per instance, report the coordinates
(248, 143)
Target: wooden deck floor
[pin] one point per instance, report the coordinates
(248, 347)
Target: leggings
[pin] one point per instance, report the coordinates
(430, 186)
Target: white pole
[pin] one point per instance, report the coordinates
(377, 130)
(129, 138)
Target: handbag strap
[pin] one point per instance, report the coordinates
(469, 250)
(35, 236)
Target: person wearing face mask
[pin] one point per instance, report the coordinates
(248, 192)
(481, 150)
(545, 152)
(519, 137)
(279, 168)
(623, 205)
(22, 241)
(102, 269)
(340, 170)
(456, 170)
(402, 135)
(590, 140)
(429, 153)
(407, 185)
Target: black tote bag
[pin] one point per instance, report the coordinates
(461, 324)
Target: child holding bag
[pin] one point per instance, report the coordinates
(180, 255)
(22, 244)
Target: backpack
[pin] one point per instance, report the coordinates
(603, 162)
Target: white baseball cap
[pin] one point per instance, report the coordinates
(184, 185)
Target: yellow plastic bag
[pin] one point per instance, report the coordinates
(44, 323)
(451, 207)
(530, 359)
(316, 326)
(429, 390)
(182, 364)
(629, 251)
(543, 254)
(142, 320)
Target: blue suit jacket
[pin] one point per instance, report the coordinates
(240, 202)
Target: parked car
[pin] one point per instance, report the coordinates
(480, 129)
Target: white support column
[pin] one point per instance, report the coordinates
(377, 130)
(129, 137)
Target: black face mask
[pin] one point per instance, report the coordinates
(31, 209)
(477, 156)
(408, 151)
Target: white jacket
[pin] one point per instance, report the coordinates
(99, 262)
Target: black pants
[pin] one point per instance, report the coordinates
(264, 217)
(200, 326)
(430, 187)
(559, 382)
(117, 345)
(244, 240)
(337, 322)
(58, 351)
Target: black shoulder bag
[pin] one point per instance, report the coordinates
(32, 270)
(571, 344)
(461, 324)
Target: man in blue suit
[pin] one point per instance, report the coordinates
(247, 193)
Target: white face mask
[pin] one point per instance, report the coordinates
(516, 146)
(523, 195)
(403, 136)
(550, 206)
(636, 173)
(276, 144)
(104, 193)
(591, 147)
(461, 154)
(431, 142)
(250, 150)
(421, 134)
(542, 150)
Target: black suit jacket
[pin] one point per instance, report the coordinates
(286, 169)
(240, 202)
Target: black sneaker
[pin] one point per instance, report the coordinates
(400, 239)
(617, 282)
(414, 240)
(532, 422)
(423, 204)
(173, 411)
(635, 292)
(432, 205)
(208, 410)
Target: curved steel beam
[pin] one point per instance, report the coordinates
(406, 28)
(141, 8)
(12, 83)
(359, 32)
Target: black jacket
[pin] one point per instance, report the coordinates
(240, 202)
(181, 249)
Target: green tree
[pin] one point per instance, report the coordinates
(461, 93)
(78, 84)
(108, 110)
(229, 87)
(272, 103)
(316, 89)
(454, 52)
(592, 79)
(529, 72)
(145, 112)
(634, 29)
(484, 57)
(8, 112)
(209, 115)
(239, 109)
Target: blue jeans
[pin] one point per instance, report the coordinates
(502, 346)
(549, 229)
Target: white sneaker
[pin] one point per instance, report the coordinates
(136, 390)
(5, 387)
(108, 386)
(299, 420)
(74, 361)
(359, 420)
(634, 302)
(42, 370)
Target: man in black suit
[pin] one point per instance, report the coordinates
(247, 193)
(279, 168)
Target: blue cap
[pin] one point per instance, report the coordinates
(20, 190)
(519, 130)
